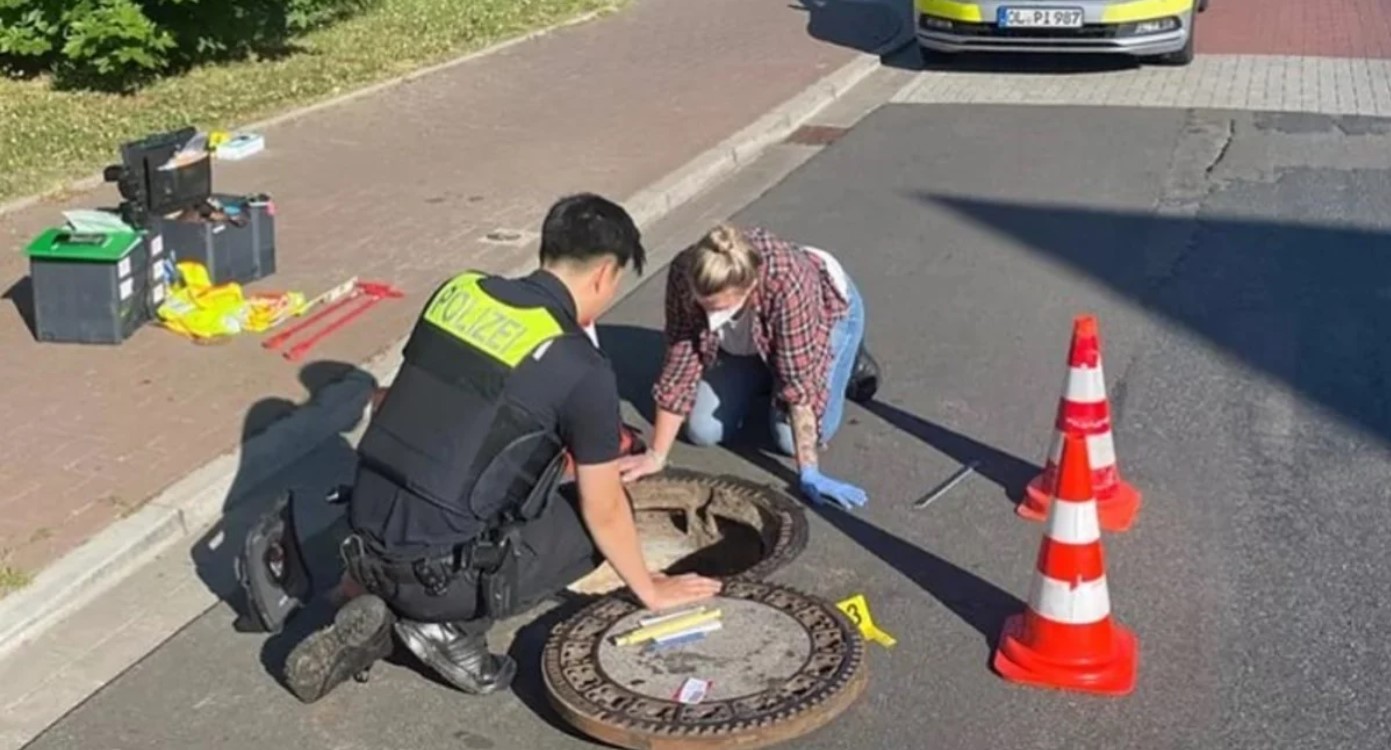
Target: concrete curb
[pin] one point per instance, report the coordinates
(94, 181)
(206, 493)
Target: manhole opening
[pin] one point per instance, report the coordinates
(711, 525)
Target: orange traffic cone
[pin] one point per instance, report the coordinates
(1067, 638)
(1084, 410)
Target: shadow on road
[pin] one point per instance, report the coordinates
(636, 355)
(979, 603)
(21, 295)
(1303, 303)
(527, 647)
(266, 472)
(1027, 64)
(876, 27)
(1011, 473)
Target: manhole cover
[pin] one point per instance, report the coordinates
(713, 525)
(783, 665)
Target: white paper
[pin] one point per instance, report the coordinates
(83, 220)
(127, 288)
(123, 268)
(692, 691)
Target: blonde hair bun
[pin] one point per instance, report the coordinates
(723, 260)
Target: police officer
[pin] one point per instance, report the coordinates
(460, 514)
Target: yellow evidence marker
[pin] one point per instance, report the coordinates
(857, 609)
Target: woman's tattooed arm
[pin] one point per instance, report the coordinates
(804, 435)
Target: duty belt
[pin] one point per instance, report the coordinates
(436, 573)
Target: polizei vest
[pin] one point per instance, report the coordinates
(460, 449)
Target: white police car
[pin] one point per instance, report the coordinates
(1161, 30)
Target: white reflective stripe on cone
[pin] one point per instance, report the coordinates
(1072, 522)
(1085, 385)
(1060, 601)
(1101, 451)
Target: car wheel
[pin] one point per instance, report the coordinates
(1185, 55)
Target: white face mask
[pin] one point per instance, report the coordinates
(719, 318)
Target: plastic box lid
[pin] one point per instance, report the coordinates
(61, 243)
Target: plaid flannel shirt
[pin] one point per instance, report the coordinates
(796, 305)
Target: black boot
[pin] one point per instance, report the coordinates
(461, 659)
(864, 378)
(359, 636)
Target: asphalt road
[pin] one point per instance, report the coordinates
(1238, 266)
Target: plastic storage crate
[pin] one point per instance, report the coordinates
(231, 253)
(93, 288)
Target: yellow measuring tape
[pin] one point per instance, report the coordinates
(667, 627)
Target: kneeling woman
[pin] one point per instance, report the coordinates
(750, 315)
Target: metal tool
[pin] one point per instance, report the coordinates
(370, 293)
(332, 295)
(335, 299)
(951, 482)
(373, 292)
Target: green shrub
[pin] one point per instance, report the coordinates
(119, 44)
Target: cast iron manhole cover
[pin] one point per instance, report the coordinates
(783, 665)
(717, 526)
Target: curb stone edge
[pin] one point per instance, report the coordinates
(201, 496)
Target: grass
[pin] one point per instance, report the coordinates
(13, 579)
(48, 138)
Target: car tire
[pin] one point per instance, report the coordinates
(1184, 56)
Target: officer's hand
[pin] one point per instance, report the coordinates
(669, 592)
(633, 468)
(819, 488)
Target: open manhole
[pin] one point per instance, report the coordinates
(718, 526)
(782, 665)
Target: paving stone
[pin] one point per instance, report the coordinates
(1239, 82)
(399, 186)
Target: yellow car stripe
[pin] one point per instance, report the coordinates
(1139, 10)
(950, 9)
(1144, 10)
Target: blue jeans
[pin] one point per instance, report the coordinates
(729, 388)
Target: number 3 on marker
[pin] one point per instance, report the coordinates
(852, 610)
(857, 609)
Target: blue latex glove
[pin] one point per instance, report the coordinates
(820, 488)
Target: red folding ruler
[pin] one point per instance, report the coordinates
(366, 293)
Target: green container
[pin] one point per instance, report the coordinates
(96, 288)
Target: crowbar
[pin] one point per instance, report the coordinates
(333, 298)
(374, 293)
(951, 482)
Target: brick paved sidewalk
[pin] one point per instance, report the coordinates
(1346, 28)
(400, 186)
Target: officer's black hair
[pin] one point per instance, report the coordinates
(584, 227)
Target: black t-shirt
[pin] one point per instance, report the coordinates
(587, 415)
(571, 389)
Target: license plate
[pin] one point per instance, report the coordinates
(1041, 18)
